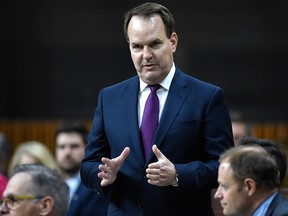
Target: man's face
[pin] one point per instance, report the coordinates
(151, 49)
(19, 185)
(232, 196)
(69, 152)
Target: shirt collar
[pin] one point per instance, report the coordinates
(165, 83)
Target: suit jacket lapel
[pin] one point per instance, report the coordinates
(278, 198)
(130, 100)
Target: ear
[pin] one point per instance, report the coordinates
(46, 205)
(174, 41)
(250, 186)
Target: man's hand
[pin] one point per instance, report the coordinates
(162, 172)
(110, 167)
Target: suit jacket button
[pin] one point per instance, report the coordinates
(140, 205)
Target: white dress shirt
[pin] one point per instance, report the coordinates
(162, 94)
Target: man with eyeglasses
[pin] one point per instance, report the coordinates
(35, 190)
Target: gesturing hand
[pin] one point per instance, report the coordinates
(111, 167)
(162, 172)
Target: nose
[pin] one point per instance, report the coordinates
(147, 53)
(218, 194)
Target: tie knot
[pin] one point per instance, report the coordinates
(154, 88)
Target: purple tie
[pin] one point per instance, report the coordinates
(150, 119)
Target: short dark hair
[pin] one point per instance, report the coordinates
(73, 127)
(255, 164)
(47, 182)
(149, 9)
(276, 150)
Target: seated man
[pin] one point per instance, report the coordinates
(35, 190)
(249, 183)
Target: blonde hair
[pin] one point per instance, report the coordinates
(37, 151)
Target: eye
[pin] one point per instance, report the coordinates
(75, 146)
(136, 47)
(60, 146)
(224, 187)
(10, 200)
(156, 43)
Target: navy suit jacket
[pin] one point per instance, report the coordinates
(195, 128)
(278, 206)
(87, 203)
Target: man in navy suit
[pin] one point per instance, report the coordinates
(249, 183)
(194, 128)
(71, 138)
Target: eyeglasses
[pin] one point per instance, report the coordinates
(11, 200)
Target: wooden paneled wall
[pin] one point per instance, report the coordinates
(44, 131)
(273, 131)
(18, 131)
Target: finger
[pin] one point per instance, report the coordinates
(106, 161)
(102, 175)
(104, 182)
(124, 153)
(106, 168)
(152, 171)
(153, 177)
(154, 182)
(103, 168)
(157, 152)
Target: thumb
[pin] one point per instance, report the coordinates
(124, 154)
(157, 152)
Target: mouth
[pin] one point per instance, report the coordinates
(223, 205)
(149, 66)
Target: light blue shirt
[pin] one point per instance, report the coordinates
(262, 209)
(73, 184)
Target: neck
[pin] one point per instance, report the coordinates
(68, 175)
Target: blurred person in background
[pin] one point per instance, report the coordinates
(240, 127)
(32, 152)
(5, 153)
(70, 140)
(35, 190)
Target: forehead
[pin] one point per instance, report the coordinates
(225, 166)
(141, 25)
(69, 138)
(18, 184)
(225, 172)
